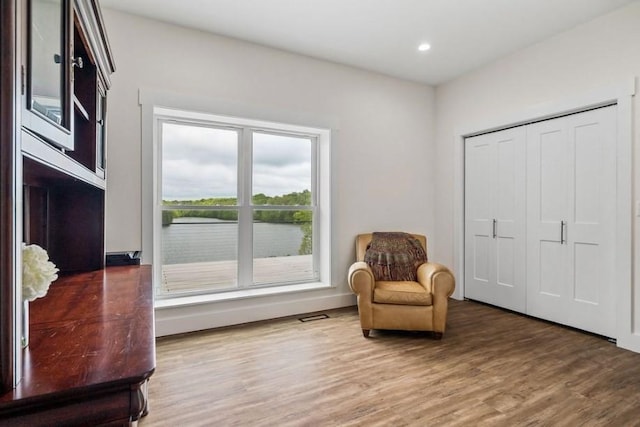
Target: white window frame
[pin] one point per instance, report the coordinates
(245, 208)
(321, 202)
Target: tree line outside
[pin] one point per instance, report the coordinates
(301, 217)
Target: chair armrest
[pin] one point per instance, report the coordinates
(361, 278)
(361, 282)
(440, 282)
(437, 279)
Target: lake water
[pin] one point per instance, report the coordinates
(205, 239)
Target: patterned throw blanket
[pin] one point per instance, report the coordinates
(395, 256)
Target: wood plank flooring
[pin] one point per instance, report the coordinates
(492, 368)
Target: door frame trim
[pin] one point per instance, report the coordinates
(628, 325)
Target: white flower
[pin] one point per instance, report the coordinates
(37, 272)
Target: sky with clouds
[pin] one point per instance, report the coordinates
(201, 162)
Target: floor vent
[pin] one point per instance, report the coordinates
(314, 317)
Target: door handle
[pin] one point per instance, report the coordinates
(495, 228)
(562, 237)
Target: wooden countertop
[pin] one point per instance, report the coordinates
(92, 332)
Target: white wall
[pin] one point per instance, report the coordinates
(599, 54)
(382, 161)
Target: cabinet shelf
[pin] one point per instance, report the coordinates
(45, 154)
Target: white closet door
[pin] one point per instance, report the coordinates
(571, 169)
(592, 221)
(495, 215)
(479, 242)
(548, 200)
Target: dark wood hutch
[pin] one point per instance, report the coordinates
(91, 349)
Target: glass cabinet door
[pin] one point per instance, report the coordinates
(49, 71)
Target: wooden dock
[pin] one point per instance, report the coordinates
(222, 275)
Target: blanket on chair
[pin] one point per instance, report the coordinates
(395, 256)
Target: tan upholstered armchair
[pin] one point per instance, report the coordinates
(401, 305)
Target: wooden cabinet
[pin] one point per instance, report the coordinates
(65, 68)
(91, 348)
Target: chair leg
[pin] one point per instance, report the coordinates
(437, 335)
(365, 332)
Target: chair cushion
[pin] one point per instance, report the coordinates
(401, 292)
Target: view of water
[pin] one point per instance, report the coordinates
(205, 239)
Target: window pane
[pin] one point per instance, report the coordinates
(198, 162)
(199, 250)
(282, 250)
(281, 170)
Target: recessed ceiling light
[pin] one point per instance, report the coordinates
(424, 47)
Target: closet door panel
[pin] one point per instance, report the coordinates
(591, 221)
(505, 263)
(547, 191)
(587, 153)
(571, 166)
(479, 244)
(552, 276)
(587, 274)
(480, 265)
(495, 211)
(510, 205)
(552, 169)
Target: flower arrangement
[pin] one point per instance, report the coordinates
(37, 272)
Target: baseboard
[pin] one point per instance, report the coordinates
(207, 316)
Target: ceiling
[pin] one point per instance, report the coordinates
(383, 35)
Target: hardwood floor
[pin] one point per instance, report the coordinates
(491, 368)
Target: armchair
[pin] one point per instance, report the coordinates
(401, 305)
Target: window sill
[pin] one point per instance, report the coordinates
(184, 301)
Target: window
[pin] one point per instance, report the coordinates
(238, 203)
